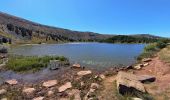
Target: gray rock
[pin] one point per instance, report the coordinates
(128, 83)
(54, 64)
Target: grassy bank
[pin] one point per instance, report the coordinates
(151, 49)
(30, 63)
(164, 54)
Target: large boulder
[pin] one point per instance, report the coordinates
(65, 87)
(83, 73)
(128, 83)
(50, 83)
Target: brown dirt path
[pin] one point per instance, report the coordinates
(109, 90)
(160, 89)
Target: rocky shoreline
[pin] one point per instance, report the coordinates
(76, 83)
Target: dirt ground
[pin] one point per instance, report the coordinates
(160, 89)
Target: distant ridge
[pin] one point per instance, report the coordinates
(19, 29)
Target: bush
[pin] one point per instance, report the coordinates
(34, 63)
(161, 44)
(3, 49)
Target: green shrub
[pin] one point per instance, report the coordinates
(151, 49)
(161, 44)
(21, 63)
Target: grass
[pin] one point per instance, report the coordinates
(151, 49)
(164, 54)
(30, 63)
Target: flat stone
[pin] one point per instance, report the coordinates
(2, 91)
(50, 83)
(145, 64)
(139, 66)
(146, 78)
(83, 73)
(12, 82)
(76, 66)
(102, 76)
(38, 98)
(146, 60)
(137, 99)
(65, 87)
(28, 90)
(126, 83)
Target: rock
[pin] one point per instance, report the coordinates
(145, 64)
(38, 98)
(50, 93)
(139, 66)
(146, 78)
(2, 91)
(50, 83)
(83, 73)
(89, 94)
(65, 87)
(28, 90)
(4, 99)
(75, 93)
(137, 99)
(82, 83)
(129, 67)
(54, 64)
(127, 83)
(76, 66)
(11, 82)
(102, 76)
(146, 60)
(94, 86)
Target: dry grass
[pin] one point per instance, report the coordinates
(164, 54)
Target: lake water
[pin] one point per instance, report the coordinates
(93, 55)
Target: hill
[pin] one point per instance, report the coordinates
(20, 30)
(25, 30)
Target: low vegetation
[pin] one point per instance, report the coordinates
(164, 54)
(33, 63)
(130, 39)
(151, 49)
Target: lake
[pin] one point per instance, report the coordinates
(92, 55)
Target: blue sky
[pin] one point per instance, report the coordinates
(102, 16)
